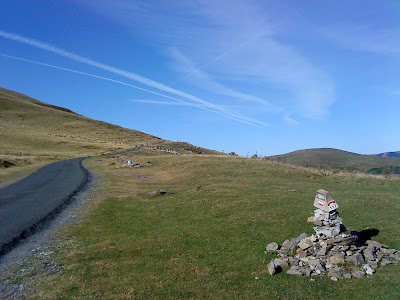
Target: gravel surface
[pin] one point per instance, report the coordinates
(35, 258)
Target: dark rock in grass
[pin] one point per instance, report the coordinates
(158, 192)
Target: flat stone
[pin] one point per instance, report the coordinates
(305, 243)
(358, 273)
(295, 261)
(356, 259)
(373, 244)
(272, 247)
(336, 259)
(295, 271)
(310, 219)
(386, 261)
(281, 263)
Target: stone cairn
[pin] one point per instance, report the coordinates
(330, 251)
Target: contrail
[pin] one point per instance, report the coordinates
(130, 75)
(99, 65)
(249, 122)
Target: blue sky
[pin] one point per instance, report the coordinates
(245, 76)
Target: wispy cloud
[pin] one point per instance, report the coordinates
(233, 51)
(158, 102)
(363, 38)
(199, 103)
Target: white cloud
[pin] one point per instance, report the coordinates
(224, 47)
(199, 103)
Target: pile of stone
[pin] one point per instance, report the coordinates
(330, 251)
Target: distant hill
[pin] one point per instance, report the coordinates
(388, 154)
(329, 158)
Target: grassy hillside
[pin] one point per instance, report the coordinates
(206, 239)
(337, 159)
(34, 133)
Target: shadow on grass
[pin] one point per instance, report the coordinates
(365, 235)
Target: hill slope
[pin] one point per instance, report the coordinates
(389, 154)
(337, 159)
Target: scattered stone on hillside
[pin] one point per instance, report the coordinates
(111, 164)
(158, 192)
(6, 164)
(330, 251)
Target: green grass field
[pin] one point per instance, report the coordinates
(209, 242)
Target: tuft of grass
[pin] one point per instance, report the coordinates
(209, 242)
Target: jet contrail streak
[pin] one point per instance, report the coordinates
(73, 56)
(130, 75)
(133, 86)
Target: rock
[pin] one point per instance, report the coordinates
(385, 261)
(272, 247)
(373, 264)
(368, 270)
(334, 273)
(158, 192)
(373, 244)
(346, 275)
(358, 273)
(334, 278)
(369, 254)
(356, 259)
(310, 219)
(272, 268)
(295, 271)
(335, 259)
(301, 237)
(305, 243)
(295, 261)
(289, 244)
(280, 263)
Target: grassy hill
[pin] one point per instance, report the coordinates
(34, 133)
(337, 159)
